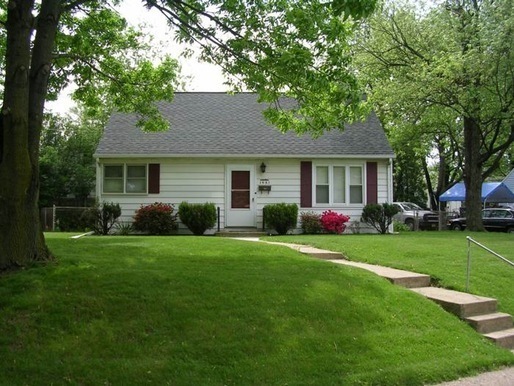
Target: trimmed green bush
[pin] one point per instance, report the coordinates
(102, 217)
(156, 219)
(379, 216)
(311, 223)
(281, 217)
(197, 217)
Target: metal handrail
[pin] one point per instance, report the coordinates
(470, 240)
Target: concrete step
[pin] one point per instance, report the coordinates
(395, 276)
(504, 338)
(478, 311)
(490, 322)
(241, 233)
(321, 253)
(459, 303)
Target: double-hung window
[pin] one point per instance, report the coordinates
(355, 186)
(338, 185)
(125, 178)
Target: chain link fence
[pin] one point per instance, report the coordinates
(64, 218)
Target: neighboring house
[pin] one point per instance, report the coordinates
(219, 149)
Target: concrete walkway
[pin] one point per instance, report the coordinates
(457, 303)
(504, 377)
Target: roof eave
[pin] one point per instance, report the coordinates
(248, 156)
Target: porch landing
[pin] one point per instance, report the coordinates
(241, 232)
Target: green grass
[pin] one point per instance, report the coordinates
(443, 255)
(212, 311)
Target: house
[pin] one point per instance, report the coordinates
(220, 149)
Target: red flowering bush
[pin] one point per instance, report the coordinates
(333, 222)
(156, 219)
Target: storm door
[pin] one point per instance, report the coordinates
(240, 196)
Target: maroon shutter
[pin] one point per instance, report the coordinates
(306, 184)
(154, 178)
(371, 183)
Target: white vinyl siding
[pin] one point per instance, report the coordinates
(203, 180)
(195, 181)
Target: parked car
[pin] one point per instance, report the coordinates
(411, 214)
(494, 219)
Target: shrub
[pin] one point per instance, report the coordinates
(102, 217)
(400, 227)
(124, 229)
(71, 219)
(379, 216)
(311, 222)
(355, 227)
(333, 222)
(281, 217)
(197, 217)
(155, 219)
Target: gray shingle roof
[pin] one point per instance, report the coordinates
(220, 124)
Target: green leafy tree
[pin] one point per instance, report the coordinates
(66, 162)
(294, 48)
(408, 182)
(444, 76)
(45, 47)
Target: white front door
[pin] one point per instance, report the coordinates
(240, 196)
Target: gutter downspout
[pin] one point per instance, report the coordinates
(390, 187)
(98, 180)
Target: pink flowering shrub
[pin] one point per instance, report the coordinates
(156, 219)
(333, 222)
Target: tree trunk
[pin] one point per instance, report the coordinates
(428, 181)
(473, 175)
(26, 83)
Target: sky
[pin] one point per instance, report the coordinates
(199, 76)
(204, 76)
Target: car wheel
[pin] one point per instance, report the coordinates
(456, 227)
(510, 230)
(410, 223)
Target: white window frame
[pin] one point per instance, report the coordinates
(331, 185)
(125, 167)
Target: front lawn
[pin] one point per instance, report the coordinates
(214, 311)
(442, 255)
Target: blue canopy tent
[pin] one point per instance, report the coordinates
(491, 192)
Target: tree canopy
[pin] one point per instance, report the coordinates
(443, 80)
(279, 47)
(67, 166)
